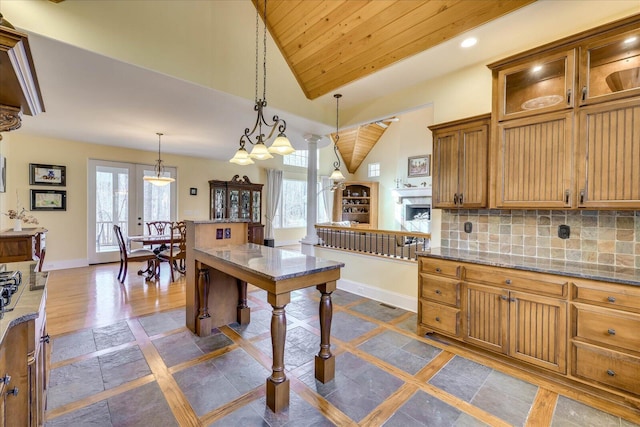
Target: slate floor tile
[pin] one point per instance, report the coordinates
(426, 410)
(96, 415)
(346, 327)
(183, 346)
(123, 366)
(461, 377)
(112, 335)
(378, 311)
(298, 414)
(163, 322)
(245, 416)
(400, 351)
(74, 382)
(72, 345)
(340, 297)
(409, 324)
(570, 413)
(141, 407)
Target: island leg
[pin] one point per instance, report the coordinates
(278, 383)
(244, 312)
(203, 322)
(325, 362)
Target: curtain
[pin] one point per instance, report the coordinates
(327, 196)
(273, 190)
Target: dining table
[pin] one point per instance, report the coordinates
(152, 271)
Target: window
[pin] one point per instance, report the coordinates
(374, 170)
(298, 158)
(292, 212)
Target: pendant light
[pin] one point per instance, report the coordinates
(336, 175)
(281, 144)
(158, 179)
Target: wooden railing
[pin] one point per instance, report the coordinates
(388, 243)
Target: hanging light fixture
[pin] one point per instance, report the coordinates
(281, 144)
(158, 179)
(336, 175)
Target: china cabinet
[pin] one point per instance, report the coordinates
(460, 163)
(565, 126)
(357, 203)
(238, 200)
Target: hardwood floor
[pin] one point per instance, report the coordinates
(376, 347)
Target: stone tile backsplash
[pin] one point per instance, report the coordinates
(599, 237)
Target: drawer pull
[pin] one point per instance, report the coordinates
(437, 319)
(508, 281)
(438, 291)
(13, 391)
(45, 339)
(610, 373)
(611, 331)
(611, 299)
(503, 297)
(438, 270)
(6, 379)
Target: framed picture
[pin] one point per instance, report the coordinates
(47, 175)
(419, 166)
(3, 174)
(48, 200)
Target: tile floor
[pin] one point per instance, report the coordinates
(378, 356)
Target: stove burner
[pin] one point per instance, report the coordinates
(9, 285)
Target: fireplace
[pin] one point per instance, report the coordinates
(417, 212)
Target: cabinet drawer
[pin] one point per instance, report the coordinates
(608, 295)
(439, 317)
(510, 279)
(608, 328)
(440, 290)
(615, 369)
(439, 267)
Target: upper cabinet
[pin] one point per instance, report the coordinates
(537, 86)
(566, 123)
(460, 163)
(610, 67)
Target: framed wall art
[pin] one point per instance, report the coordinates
(419, 166)
(47, 175)
(48, 200)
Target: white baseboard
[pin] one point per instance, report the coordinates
(64, 264)
(388, 297)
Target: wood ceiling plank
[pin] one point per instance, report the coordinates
(326, 13)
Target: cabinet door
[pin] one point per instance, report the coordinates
(256, 205)
(234, 203)
(472, 175)
(218, 202)
(610, 145)
(445, 170)
(486, 311)
(541, 85)
(245, 204)
(610, 68)
(535, 168)
(538, 330)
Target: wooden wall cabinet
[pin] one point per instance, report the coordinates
(26, 245)
(358, 203)
(460, 163)
(238, 200)
(589, 82)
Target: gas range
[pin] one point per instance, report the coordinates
(10, 290)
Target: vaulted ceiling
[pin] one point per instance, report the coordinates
(329, 43)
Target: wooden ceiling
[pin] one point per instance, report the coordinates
(329, 43)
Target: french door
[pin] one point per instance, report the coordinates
(118, 195)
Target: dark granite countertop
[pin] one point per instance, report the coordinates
(624, 275)
(29, 302)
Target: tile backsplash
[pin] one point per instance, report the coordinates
(599, 237)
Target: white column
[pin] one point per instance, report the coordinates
(312, 197)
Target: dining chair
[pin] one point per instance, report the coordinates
(176, 254)
(134, 255)
(159, 228)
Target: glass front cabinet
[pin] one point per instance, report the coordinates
(238, 200)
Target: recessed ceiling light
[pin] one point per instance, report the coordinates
(469, 42)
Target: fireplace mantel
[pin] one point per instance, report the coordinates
(410, 192)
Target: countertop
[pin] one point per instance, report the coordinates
(272, 263)
(29, 303)
(26, 231)
(624, 275)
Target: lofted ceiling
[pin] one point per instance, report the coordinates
(330, 43)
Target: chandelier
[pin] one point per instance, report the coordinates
(281, 144)
(336, 175)
(158, 178)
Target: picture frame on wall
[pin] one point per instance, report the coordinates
(419, 166)
(47, 175)
(48, 200)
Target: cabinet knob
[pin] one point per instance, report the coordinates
(45, 339)
(611, 373)
(6, 379)
(503, 297)
(611, 331)
(455, 199)
(438, 270)
(460, 199)
(584, 93)
(437, 319)
(611, 299)
(438, 291)
(14, 391)
(508, 281)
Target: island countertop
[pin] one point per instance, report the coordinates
(28, 305)
(271, 263)
(607, 273)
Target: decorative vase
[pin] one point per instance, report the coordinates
(17, 225)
